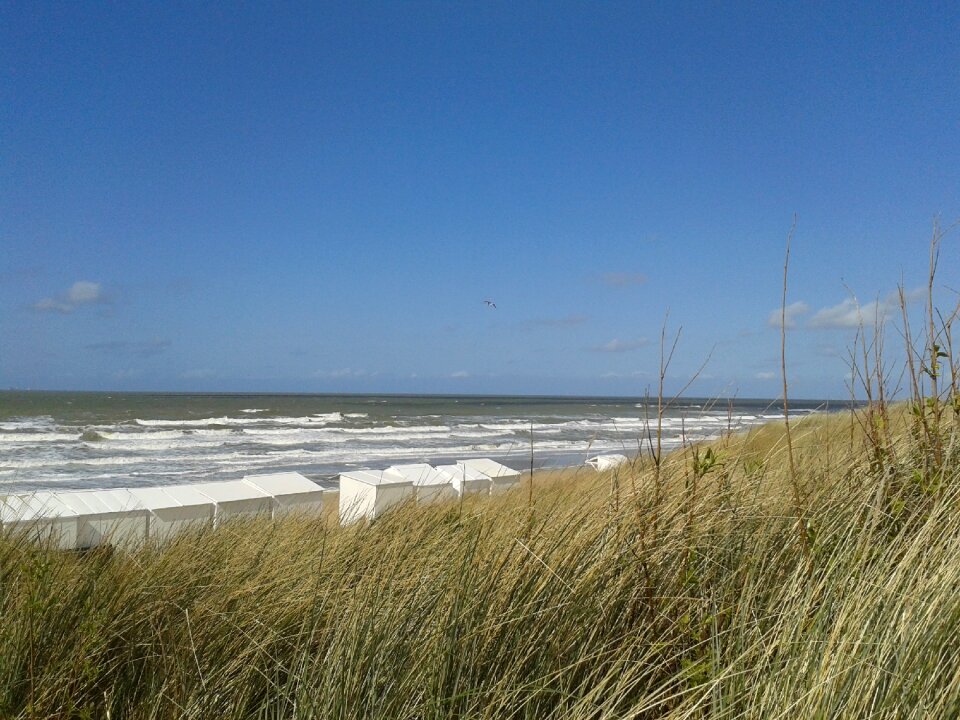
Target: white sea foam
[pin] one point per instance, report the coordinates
(332, 417)
(112, 460)
(154, 435)
(152, 446)
(267, 432)
(195, 423)
(215, 432)
(39, 422)
(37, 437)
(297, 439)
(320, 419)
(396, 429)
(510, 427)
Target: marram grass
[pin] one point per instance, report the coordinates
(596, 602)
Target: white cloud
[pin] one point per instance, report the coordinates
(52, 305)
(460, 374)
(341, 373)
(850, 314)
(787, 315)
(635, 374)
(623, 279)
(911, 296)
(616, 345)
(847, 314)
(765, 375)
(82, 292)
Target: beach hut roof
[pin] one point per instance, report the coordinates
(187, 495)
(155, 498)
(606, 462)
(33, 507)
(460, 471)
(488, 467)
(230, 490)
(285, 483)
(14, 508)
(419, 473)
(378, 478)
(10, 507)
(75, 502)
(120, 498)
(49, 504)
(99, 502)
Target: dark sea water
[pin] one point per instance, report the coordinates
(54, 440)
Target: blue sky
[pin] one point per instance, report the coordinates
(318, 197)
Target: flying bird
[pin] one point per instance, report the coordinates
(491, 303)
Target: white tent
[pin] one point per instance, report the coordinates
(167, 515)
(106, 516)
(235, 498)
(606, 462)
(40, 516)
(369, 493)
(429, 484)
(291, 492)
(465, 480)
(501, 477)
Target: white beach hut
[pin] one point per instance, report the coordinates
(465, 480)
(197, 509)
(606, 462)
(291, 492)
(429, 484)
(235, 498)
(41, 517)
(369, 493)
(106, 516)
(502, 478)
(167, 515)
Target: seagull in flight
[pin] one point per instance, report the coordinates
(491, 303)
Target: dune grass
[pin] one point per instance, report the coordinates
(594, 602)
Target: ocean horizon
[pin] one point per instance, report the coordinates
(86, 440)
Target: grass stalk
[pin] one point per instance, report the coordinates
(794, 481)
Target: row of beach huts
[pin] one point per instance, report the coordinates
(83, 519)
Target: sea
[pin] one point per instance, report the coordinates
(72, 440)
